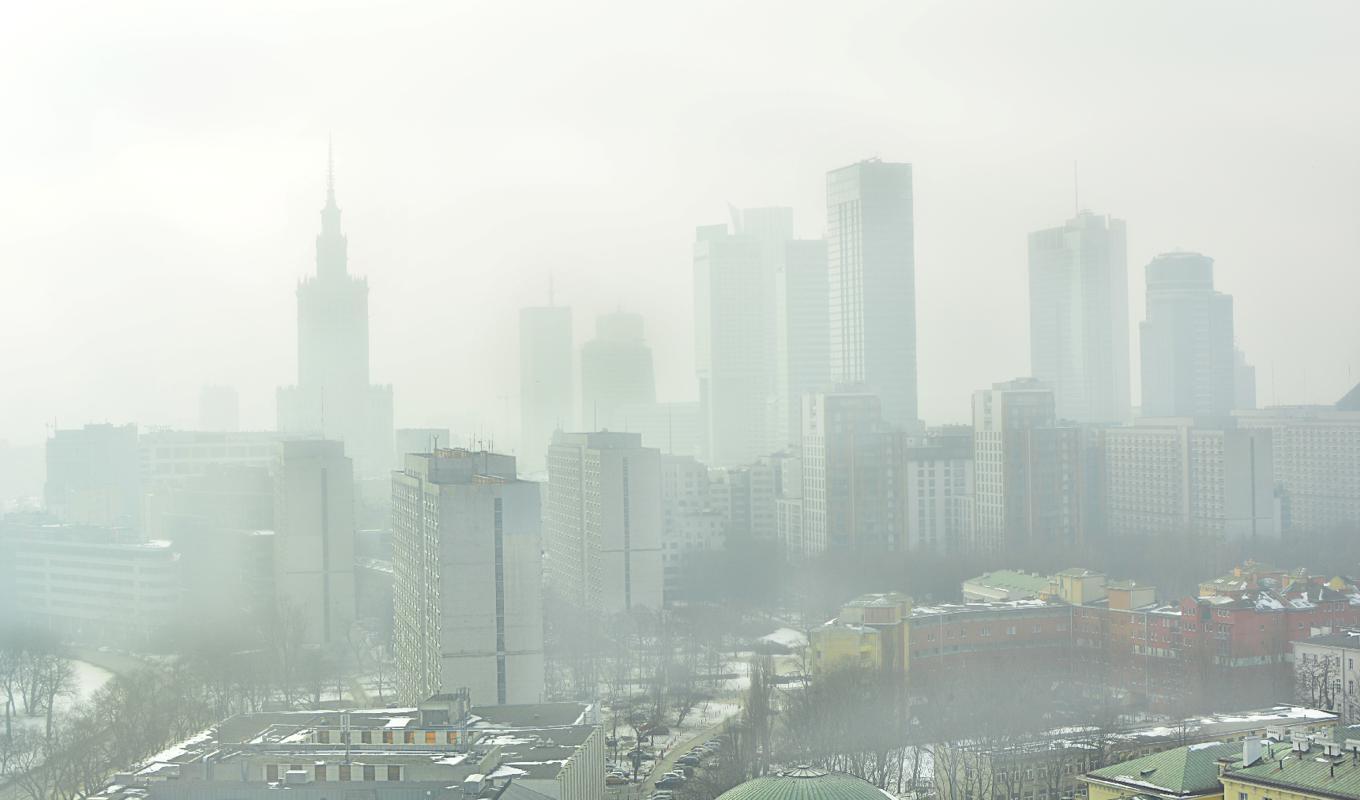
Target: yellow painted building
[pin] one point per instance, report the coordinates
(871, 631)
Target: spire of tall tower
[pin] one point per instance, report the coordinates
(330, 171)
(330, 244)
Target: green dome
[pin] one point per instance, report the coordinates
(804, 783)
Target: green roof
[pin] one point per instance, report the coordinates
(1013, 579)
(804, 783)
(1310, 774)
(1184, 771)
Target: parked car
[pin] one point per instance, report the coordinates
(614, 779)
(689, 759)
(669, 782)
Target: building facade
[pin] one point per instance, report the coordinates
(333, 397)
(871, 262)
(616, 370)
(547, 393)
(1173, 476)
(802, 353)
(1186, 340)
(314, 541)
(604, 522)
(1317, 463)
(467, 578)
(1079, 317)
(847, 473)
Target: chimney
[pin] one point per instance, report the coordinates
(1251, 751)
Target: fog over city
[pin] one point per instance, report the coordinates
(699, 401)
(164, 164)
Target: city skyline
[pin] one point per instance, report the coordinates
(229, 221)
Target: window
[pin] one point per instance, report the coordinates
(271, 772)
(429, 737)
(451, 737)
(1241, 796)
(319, 772)
(393, 772)
(1010, 630)
(370, 772)
(387, 737)
(344, 772)
(410, 737)
(365, 737)
(323, 736)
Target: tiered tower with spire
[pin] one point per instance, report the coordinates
(333, 396)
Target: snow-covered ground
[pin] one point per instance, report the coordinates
(88, 680)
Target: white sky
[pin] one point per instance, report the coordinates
(162, 166)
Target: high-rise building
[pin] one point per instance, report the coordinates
(934, 479)
(847, 472)
(1316, 453)
(871, 262)
(1173, 476)
(1079, 317)
(603, 535)
(333, 396)
(314, 541)
(93, 476)
(218, 409)
(802, 352)
(690, 523)
(1244, 382)
(1030, 484)
(546, 388)
(1187, 340)
(467, 568)
(733, 343)
(616, 370)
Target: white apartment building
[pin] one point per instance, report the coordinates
(1173, 476)
(167, 455)
(1317, 463)
(89, 583)
(690, 521)
(467, 578)
(604, 523)
(936, 474)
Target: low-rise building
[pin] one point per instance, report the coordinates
(871, 631)
(441, 749)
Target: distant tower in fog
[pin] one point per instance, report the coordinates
(333, 396)
(546, 388)
(218, 409)
(1187, 340)
(616, 370)
(872, 264)
(1079, 317)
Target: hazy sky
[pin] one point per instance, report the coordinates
(162, 166)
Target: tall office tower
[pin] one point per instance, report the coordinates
(1030, 480)
(771, 228)
(604, 521)
(1187, 340)
(847, 470)
(1079, 317)
(314, 540)
(467, 577)
(935, 476)
(1244, 382)
(546, 390)
(333, 397)
(732, 360)
(1316, 467)
(872, 266)
(1173, 476)
(94, 476)
(802, 351)
(218, 409)
(616, 370)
